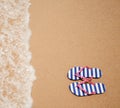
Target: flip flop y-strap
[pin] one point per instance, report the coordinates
(86, 80)
(85, 91)
(78, 72)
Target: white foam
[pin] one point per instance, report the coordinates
(16, 72)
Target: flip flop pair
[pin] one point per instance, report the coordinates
(86, 86)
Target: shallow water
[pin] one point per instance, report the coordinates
(16, 72)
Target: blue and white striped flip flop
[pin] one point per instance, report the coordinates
(97, 88)
(77, 72)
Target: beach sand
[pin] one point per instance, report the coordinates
(67, 33)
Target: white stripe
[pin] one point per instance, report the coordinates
(76, 89)
(69, 74)
(85, 70)
(93, 88)
(97, 88)
(88, 86)
(81, 92)
(101, 86)
(93, 72)
(71, 86)
(77, 69)
(73, 73)
(98, 73)
(90, 72)
(84, 89)
(81, 73)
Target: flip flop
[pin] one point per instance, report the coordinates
(86, 89)
(77, 73)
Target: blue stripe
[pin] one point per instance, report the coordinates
(100, 73)
(95, 89)
(75, 73)
(99, 88)
(104, 87)
(88, 73)
(79, 68)
(70, 88)
(91, 88)
(86, 87)
(95, 73)
(75, 69)
(83, 72)
(92, 72)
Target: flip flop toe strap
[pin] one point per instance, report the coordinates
(78, 73)
(86, 80)
(80, 87)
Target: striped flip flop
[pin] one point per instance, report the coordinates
(87, 89)
(77, 72)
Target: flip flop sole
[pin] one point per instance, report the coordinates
(98, 88)
(95, 72)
